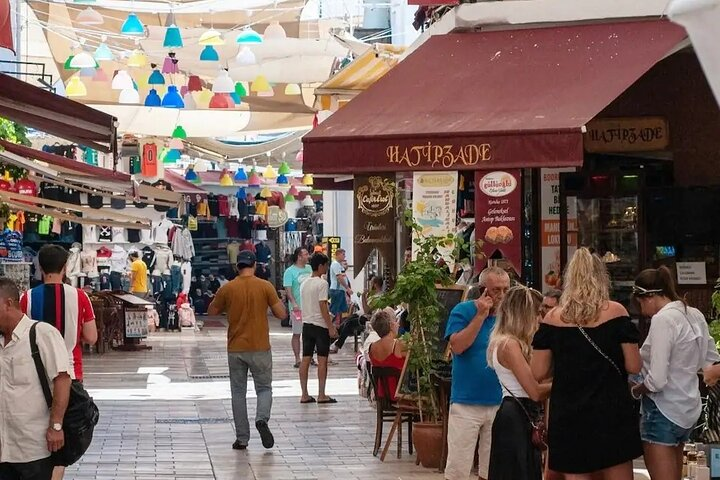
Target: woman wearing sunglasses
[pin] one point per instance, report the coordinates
(677, 347)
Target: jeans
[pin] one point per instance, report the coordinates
(176, 280)
(38, 470)
(260, 365)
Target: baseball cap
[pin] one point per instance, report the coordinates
(246, 258)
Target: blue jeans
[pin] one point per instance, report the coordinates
(658, 429)
(260, 365)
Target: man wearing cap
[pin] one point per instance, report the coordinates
(246, 300)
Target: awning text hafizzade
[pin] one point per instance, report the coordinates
(446, 156)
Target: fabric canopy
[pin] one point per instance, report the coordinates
(488, 100)
(51, 113)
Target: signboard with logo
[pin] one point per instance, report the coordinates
(644, 134)
(276, 217)
(550, 226)
(374, 219)
(498, 224)
(434, 203)
(331, 246)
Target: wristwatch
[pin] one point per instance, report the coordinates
(57, 427)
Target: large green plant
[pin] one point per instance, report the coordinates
(415, 287)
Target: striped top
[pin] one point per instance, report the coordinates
(67, 308)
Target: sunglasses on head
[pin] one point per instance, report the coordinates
(644, 292)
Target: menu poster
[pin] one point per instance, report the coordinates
(434, 205)
(498, 220)
(550, 226)
(374, 219)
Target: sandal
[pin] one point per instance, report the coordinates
(329, 400)
(309, 400)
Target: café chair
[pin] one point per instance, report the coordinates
(390, 411)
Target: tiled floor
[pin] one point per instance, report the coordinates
(165, 414)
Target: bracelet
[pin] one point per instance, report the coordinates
(632, 394)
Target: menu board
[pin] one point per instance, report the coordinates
(374, 219)
(550, 226)
(136, 323)
(498, 224)
(435, 205)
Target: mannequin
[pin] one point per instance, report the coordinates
(74, 267)
(186, 271)
(161, 230)
(118, 266)
(163, 260)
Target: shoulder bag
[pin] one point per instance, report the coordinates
(538, 435)
(81, 415)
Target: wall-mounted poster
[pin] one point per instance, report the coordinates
(434, 204)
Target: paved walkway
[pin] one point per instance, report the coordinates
(166, 414)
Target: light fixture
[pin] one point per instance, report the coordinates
(83, 60)
(274, 31)
(75, 87)
(240, 90)
(293, 89)
(129, 96)
(248, 36)
(211, 37)
(284, 169)
(225, 179)
(172, 98)
(172, 156)
(299, 157)
(265, 192)
(156, 78)
(209, 54)
(132, 26)
(236, 98)
(221, 100)
(89, 16)
(103, 52)
(191, 176)
(254, 179)
(204, 97)
(170, 64)
(266, 93)
(282, 180)
(294, 191)
(307, 179)
(100, 76)
(223, 83)
(122, 80)
(260, 84)
(137, 58)
(315, 192)
(245, 57)
(269, 172)
(153, 99)
(173, 39)
(241, 175)
(194, 84)
(289, 198)
(308, 201)
(179, 132)
(176, 144)
(87, 72)
(67, 65)
(189, 100)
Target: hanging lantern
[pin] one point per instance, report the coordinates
(275, 31)
(75, 87)
(172, 98)
(132, 26)
(293, 191)
(173, 156)
(212, 38)
(179, 132)
(191, 176)
(240, 90)
(265, 193)
(260, 84)
(225, 179)
(189, 101)
(67, 66)
(137, 58)
(173, 39)
(307, 179)
(223, 83)
(240, 175)
(156, 78)
(153, 99)
(254, 180)
(289, 197)
(87, 72)
(176, 144)
(89, 16)
(269, 173)
(103, 52)
(83, 60)
(293, 89)
(221, 100)
(122, 81)
(245, 57)
(248, 36)
(284, 169)
(100, 76)
(129, 96)
(170, 64)
(209, 54)
(194, 84)
(299, 157)
(282, 180)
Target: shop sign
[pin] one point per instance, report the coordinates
(434, 205)
(691, 273)
(332, 245)
(374, 219)
(498, 224)
(643, 134)
(276, 217)
(434, 156)
(550, 226)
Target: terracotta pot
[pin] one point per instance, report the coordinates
(427, 438)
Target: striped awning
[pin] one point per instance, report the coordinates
(357, 76)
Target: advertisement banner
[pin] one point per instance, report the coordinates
(498, 220)
(550, 226)
(331, 245)
(374, 219)
(434, 204)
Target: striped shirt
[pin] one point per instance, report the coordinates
(65, 307)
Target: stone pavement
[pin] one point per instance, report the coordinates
(166, 414)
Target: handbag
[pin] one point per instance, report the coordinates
(81, 414)
(538, 435)
(599, 350)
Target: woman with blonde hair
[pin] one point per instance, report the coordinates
(513, 455)
(589, 345)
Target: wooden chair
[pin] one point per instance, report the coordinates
(390, 411)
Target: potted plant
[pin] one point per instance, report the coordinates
(415, 288)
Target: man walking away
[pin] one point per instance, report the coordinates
(138, 276)
(339, 287)
(475, 393)
(246, 300)
(294, 276)
(29, 432)
(318, 328)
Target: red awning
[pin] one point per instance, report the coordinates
(59, 161)
(43, 110)
(500, 99)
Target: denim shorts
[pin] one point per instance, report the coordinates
(658, 429)
(338, 302)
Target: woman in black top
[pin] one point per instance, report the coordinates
(589, 345)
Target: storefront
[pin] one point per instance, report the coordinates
(500, 105)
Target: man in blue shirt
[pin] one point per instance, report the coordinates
(475, 393)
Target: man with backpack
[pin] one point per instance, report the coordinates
(29, 431)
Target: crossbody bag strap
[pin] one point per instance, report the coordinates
(39, 367)
(594, 345)
(517, 400)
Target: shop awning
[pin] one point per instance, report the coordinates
(500, 99)
(56, 115)
(180, 185)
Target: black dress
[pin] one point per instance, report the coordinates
(593, 422)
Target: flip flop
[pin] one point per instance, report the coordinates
(309, 400)
(329, 400)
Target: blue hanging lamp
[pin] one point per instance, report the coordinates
(241, 175)
(172, 98)
(173, 39)
(209, 54)
(156, 78)
(132, 26)
(153, 99)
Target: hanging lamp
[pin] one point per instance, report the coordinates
(225, 179)
(294, 191)
(103, 52)
(194, 84)
(204, 97)
(75, 87)
(129, 96)
(248, 36)
(265, 192)
(87, 72)
(211, 37)
(289, 197)
(266, 93)
(307, 179)
(240, 90)
(221, 100)
(245, 57)
(282, 180)
(89, 16)
(241, 175)
(284, 168)
(260, 84)
(209, 54)
(173, 39)
(153, 99)
(189, 100)
(293, 89)
(83, 60)
(274, 31)
(191, 176)
(270, 173)
(122, 80)
(299, 157)
(308, 201)
(254, 179)
(179, 132)
(137, 58)
(156, 78)
(67, 66)
(172, 98)
(176, 144)
(132, 26)
(223, 83)
(100, 76)
(172, 156)
(170, 64)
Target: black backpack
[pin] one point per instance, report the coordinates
(81, 415)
